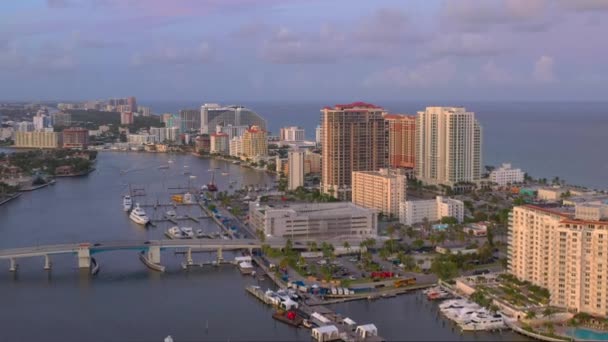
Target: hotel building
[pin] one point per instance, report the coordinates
(219, 143)
(354, 139)
(505, 175)
(296, 169)
(255, 143)
(401, 140)
(293, 133)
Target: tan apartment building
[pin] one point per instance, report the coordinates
(354, 139)
(312, 162)
(381, 190)
(401, 140)
(38, 139)
(564, 252)
(255, 143)
(448, 146)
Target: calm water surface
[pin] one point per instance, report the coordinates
(126, 301)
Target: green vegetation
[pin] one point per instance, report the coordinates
(92, 119)
(444, 268)
(32, 162)
(303, 194)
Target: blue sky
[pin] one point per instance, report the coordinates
(213, 50)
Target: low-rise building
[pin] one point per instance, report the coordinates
(550, 194)
(506, 175)
(314, 220)
(412, 212)
(141, 139)
(381, 190)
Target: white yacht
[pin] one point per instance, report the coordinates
(188, 198)
(175, 233)
(138, 215)
(171, 214)
(127, 203)
(188, 232)
(204, 187)
(484, 321)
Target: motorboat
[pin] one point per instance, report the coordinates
(127, 203)
(484, 322)
(246, 267)
(171, 214)
(204, 187)
(163, 167)
(188, 198)
(200, 234)
(175, 233)
(188, 232)
(138, 215)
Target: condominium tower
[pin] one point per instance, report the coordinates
(401, 140)
(382, 190)
(354, 139)
(564, 251)
(296, 169)
(448, 146)
(255, 142)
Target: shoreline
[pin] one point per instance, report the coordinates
(12, 197)
(79, 174)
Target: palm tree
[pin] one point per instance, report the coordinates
(548, 312)
(391, 230)
(346, 246)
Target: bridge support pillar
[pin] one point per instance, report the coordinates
(47, 262)
(154, 254)
(13, 265)
(84, 257)
(220, 256)
(189, 256)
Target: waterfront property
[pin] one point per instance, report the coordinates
(505, 175)
(314, 220)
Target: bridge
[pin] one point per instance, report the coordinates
(150, 250)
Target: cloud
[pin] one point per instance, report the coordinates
(466, 44)
(174, 55)
(426, 75)
(287, 47)
(58, 3)
(584, 5)
(250, 31)
(491, 73)
(543, 70)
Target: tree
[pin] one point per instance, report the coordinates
(409, 231)
(417, 244)
(449, 220)
(346, 246)
(261, 235)
(284, 263)
(548, 312)
(288, 247)
(444, 268)
(408, 261)
(391, 230)
(530, 315)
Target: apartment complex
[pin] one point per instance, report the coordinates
(412, 212)
(295, 178)
(354, 139)
(75, 137)
(318, 135)
(38, 139)
(212, 115)
(236, 147)
(314, 220)
(219, 143)
(565, 251)
(312, 162)
(293, 133)
(448, 146)
(165, 134)
(126, 118)
(401, 140)
(381, 190)
(255, 142)
(505, 175)
(61, 119)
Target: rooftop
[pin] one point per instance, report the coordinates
(354, 105)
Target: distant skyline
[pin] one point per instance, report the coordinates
(304, 50)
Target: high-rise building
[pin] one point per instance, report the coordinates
(382, 190)
(75, 137)
(202, 143)
(61, 119)
(401, 140)
(132, 103)
(292, 133)
(41, 121)
(231, 130)
(144, 111)
(167, 119)
(296, 169)
(213, 114)
(312, 162)
(319, 135)
(255, 143)
(448, 146)
(141, 139)
(38, 139)
(24, 126)
(354, 139)
(126, 118)
(412, 212)
(236, 147)
(165, 134)
(190, 120)
(219, 143)
(564, 251)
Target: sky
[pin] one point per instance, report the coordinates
(298, 50)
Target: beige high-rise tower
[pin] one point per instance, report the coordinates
(354, 139)
(448, 146)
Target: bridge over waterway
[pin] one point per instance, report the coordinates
(150, 250)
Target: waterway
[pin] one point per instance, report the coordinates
(126, 301)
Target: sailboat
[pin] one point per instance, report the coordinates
(211, 186)
(186, 170)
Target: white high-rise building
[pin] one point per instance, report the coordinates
(212, 114)
(318, 134)
(506, 175)
(236, 147)
(296, 169)
(24, 126)
(292, 133)
(170, 134)
(448, 146)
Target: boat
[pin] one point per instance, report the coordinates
(175, 233)
(211, 186)
(188, 232)
(138, 215)
(483, 321)
(186, 170)
(188, 198)
(171, 214)
(204, 187)
(127, 203)
(246, 267)
(289, 317)
(163, 167)
(201, 234)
